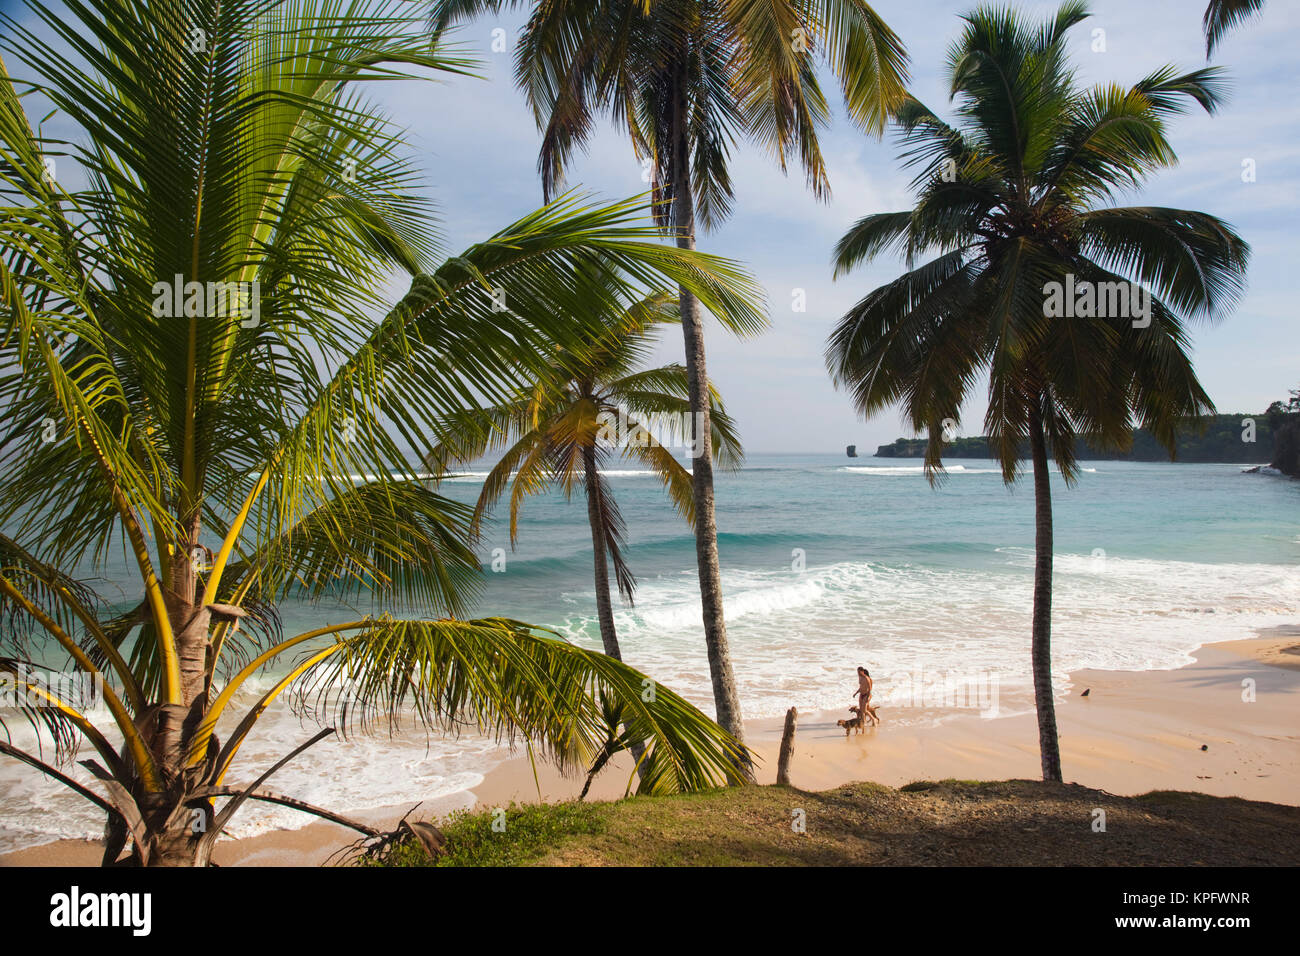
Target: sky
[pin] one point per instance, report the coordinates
(478, 145)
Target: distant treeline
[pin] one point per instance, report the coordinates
(1218, 438)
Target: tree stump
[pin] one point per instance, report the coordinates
(787, 748)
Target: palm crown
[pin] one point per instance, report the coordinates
(723, 70)
(1009, 198)
(594, 404)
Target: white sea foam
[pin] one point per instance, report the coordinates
(478, 476)
(920, 470)
(799, 635)
(631, 473)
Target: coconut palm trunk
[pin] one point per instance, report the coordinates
(1048, 745)
(604, 607)
(726, 700)
(179, 830)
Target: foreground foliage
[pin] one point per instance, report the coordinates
(264, 444)
(514, 836)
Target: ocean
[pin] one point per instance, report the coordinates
(828, 563)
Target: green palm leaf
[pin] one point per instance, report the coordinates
(1222, 15)
(500, 678)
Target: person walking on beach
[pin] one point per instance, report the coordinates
(865, 684)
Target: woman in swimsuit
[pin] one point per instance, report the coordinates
(865, 683)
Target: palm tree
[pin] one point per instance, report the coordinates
(257, 445)
(1222, 15)
(687, 79)
(1012, 200)
(562, 430)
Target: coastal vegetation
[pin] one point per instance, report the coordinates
(1271, 437)
(1284, 418)
(260, 450)
(1013, 199)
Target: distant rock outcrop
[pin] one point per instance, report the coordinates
(1216, 438)
(852, 451)
(1286, 450)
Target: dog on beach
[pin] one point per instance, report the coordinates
(871, 713)
(853, 723)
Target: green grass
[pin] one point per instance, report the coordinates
(523, 834)
(926, 823)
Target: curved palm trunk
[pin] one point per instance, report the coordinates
(1048, 745)
(725, 698)
(604, 607)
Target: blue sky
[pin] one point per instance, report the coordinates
(478, 144)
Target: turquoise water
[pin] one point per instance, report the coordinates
(828, 563)
(1152, 560)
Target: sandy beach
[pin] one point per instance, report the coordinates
(1228, 725)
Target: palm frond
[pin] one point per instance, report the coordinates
(500, 678)
(1192, 259)
(1222, 15)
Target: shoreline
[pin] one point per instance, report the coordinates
(1189, 728)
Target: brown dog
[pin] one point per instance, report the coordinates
(871, 714)
(854, 723)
